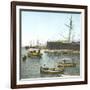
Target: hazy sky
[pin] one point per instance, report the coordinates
(48, 26)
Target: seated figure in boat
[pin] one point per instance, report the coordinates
(54, 70)
(34, 53)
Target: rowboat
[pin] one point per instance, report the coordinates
(67, 62)
(57, 70)
(34, 53)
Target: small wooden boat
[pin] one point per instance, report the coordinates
(67, 62)
(34, 53)
(24, 57)
(52, 70)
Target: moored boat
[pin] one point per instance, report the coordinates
(24, 57)
(34, 53)
(57, 70)
(67, 62)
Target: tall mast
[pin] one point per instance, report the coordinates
(70, 29)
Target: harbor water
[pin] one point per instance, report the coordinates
(30, 68)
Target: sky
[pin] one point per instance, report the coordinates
(48, 26)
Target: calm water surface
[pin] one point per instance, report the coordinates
(30, 68)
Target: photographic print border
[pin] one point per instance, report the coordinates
(14, 44)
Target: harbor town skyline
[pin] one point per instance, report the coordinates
(43, 27)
